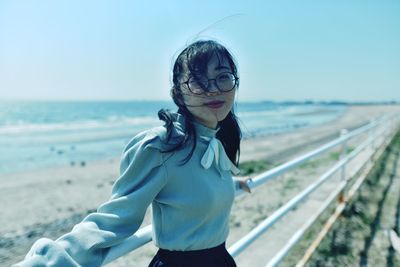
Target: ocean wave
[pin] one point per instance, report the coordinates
(111, 122)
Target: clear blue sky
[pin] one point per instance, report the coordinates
(286, 50)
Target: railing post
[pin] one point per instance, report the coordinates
(343, 153)
(371, 136)
(390, 128)
(393, 126)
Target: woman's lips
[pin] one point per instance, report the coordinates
(214, 104)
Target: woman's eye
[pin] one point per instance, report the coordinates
(224, 77)
(197, 83)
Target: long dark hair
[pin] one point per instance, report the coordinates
(195, 59)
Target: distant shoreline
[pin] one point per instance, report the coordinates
(168, 101)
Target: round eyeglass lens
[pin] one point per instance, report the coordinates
(225, 81)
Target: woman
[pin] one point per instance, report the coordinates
(184, 169)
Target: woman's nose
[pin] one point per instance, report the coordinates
(212, 88)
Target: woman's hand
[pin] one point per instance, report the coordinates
(244, 184)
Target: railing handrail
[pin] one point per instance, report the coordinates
(296, 237)
(386, 134)
(240, 245)
(144, 234)
(268, 175)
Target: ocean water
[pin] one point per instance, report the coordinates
(36, 134)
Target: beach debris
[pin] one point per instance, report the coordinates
(60, 151)
(32, 233)
(237, 224)
(83, 163)
(68, 181)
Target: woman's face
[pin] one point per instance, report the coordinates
(212, 106)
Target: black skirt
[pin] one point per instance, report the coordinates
(211, 257)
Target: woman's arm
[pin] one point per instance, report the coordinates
(142, 177)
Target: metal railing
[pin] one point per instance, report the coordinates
(339, 166)
(382, 128)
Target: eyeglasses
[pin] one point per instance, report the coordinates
(225, 82)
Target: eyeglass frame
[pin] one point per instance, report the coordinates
(216, 84)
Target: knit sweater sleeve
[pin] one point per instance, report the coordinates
(141, 178)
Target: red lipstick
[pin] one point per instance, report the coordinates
(216, 104)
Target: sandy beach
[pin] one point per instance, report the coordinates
(48, 202)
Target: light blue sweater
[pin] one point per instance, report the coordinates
(191, 202)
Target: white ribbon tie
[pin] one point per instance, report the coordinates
(215, 151)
